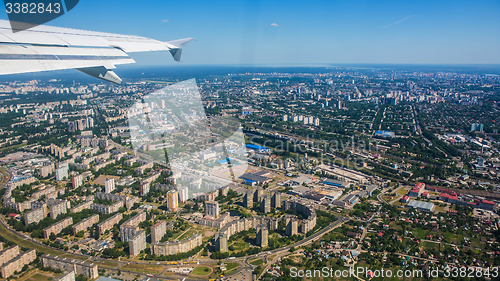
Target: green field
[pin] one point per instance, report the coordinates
(240, 245)
(201, 271)
(231, 267)
(257, 262)
(402, 191)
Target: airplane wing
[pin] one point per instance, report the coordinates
(43, 48)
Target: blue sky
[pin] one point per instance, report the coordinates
(303, 32)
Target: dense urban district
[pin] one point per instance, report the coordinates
(346, 169)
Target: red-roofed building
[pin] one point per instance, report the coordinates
(425, 194)
(16, 216)
(405, 199)
(415, 192)
(444, 197)
(487, 205)
(420, 185)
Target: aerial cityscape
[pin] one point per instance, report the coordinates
(346, 168)
(249, 140)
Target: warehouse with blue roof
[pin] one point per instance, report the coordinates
(258, 148)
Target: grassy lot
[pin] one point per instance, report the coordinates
(231, 267)
(201, 271)
(188, 234)
(257, 262)
(178, 236)
(431, 245)
(39, 277)
(144, 268)
(440, 209)
(402, 191)
(240, 245)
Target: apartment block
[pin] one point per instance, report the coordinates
(175, 247)
(80, 207)
(18, 263)
(135, 220)
(85, 224)
(35, 216)
(77, 181)
(88, 270)
(57, 227)
(8, 254)
(262, 237)
(59, 207)
(144, 188)
(292, 227)
(265, 205)
(172, 200)
(109, 223)
(158, 231)
(129, 201)
(137, 243)
(212, 209)
(109, 185)
(276, 200)
(140, 170)
(107, 209)
(127, 232)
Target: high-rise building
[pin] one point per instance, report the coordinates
(248, 199)
(90, 122)
(311, 120)
(137, 243)
(109, 185)
(262, 237)
(62, 173)
(183, 194)
(158, 231)
(316, 122)
(476, 127)
(172, 200)
(305, 120)
(265, 205)
(285, 117)
(162, 104)
(77, 181)
(292, 227)
(127, 232)
(221, 243)
(276, 200)
(257, 195)
(212, 209)
(144, 188)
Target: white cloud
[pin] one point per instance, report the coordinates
(164, 20)
(274, 24)
(399, 21)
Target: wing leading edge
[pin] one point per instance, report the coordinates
(44, 48)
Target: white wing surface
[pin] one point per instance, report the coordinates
(43, 48)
